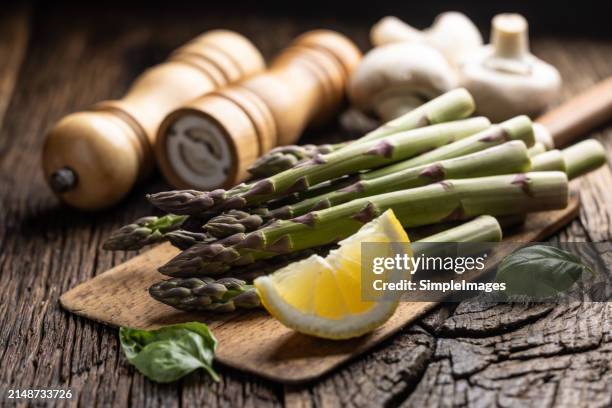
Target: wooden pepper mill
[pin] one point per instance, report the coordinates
(92, 159)
(210, 141)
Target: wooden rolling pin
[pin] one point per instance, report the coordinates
(576, 117)
(92, 159)
(210, 142)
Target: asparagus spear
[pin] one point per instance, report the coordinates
(447, 200)
(453, 105)
(583, 157)
(351, 159)
(575, 160)
(144, 231)
(229, 294)
(548, 161)
(206, 294)
(282, 158)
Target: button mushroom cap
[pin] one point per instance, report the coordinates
(396, 78)
(452, 33)
(505, 78)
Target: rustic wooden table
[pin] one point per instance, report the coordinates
(55, 63)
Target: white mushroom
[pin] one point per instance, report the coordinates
(452, 33)
(396, 78)
(505, 78)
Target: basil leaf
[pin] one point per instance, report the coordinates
(171, 352)
(539, 271)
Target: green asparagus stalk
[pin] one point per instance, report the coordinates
(444, 201)
(229, 294)
(142, 232)
(551, 160)
(206, 294)
(349, 160)
(282, 158)
(575, 160)
(484, 228)
(583, 157)
(456, 104)
(517, 128)
(453, 105)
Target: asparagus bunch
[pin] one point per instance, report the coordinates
(506, 158)
(443, 201)
(453, 105)
(229, 294)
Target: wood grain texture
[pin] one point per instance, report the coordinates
(253, 341)
(586, 111)
(46, 249)
(14, 33)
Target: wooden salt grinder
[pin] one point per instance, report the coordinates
(211, 141)
(92, 159)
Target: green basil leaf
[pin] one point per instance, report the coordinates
(539, 271)
(171, 352)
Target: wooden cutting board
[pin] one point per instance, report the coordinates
(251, 340)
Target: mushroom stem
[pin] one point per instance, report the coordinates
(509, 36)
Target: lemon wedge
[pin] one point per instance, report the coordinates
(323, 296)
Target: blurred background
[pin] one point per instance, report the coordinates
(589, 18)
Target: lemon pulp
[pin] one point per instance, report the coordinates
(323, 296)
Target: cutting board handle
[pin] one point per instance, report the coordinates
(579, 115)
